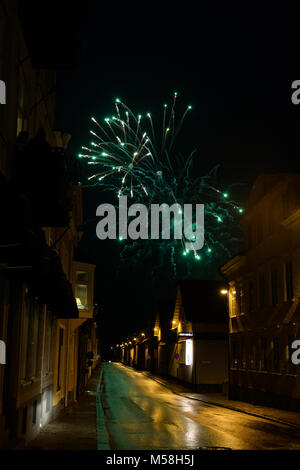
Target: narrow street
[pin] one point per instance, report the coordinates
(142, 414)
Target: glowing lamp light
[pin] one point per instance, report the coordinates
(79, 304)
(224, 291)
(188, 352)
(233, 292)
(143, 334)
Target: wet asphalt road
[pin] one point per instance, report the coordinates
(141, 414)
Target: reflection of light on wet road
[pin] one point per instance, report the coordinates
(142, 414)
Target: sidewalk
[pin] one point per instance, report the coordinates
(290, 418)
(74, 430)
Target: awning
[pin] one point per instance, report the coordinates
(47, 281)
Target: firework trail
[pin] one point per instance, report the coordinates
(132, 157)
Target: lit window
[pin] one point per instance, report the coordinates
(81, 296)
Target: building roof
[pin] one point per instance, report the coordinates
(265, 183)
(202, 301)
(165, 311)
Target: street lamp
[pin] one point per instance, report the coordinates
(223, 291)
(226, 292)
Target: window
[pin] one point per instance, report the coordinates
(232, 298)
(81, 289)
(48, 343)
(261, 291)
(81, 294)
(263, 353)
(275, 353)
(239, 294)
(34, 409)
(252, 355)
(274, 290)
(234, 352)
(251, 296)
(243, 354)
(30, 339)
(289, 280)
(25, 334)
(82, 276)
(181, 352)
(48, 400)
(60, 346)
(35, 338)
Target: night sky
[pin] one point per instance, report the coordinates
(234, 64)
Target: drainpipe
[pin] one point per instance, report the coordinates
(195, 361)
(67, 363)
(43, 361)
(228, 348)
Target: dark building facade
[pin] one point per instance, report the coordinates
(264, 295)
(40, 212)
